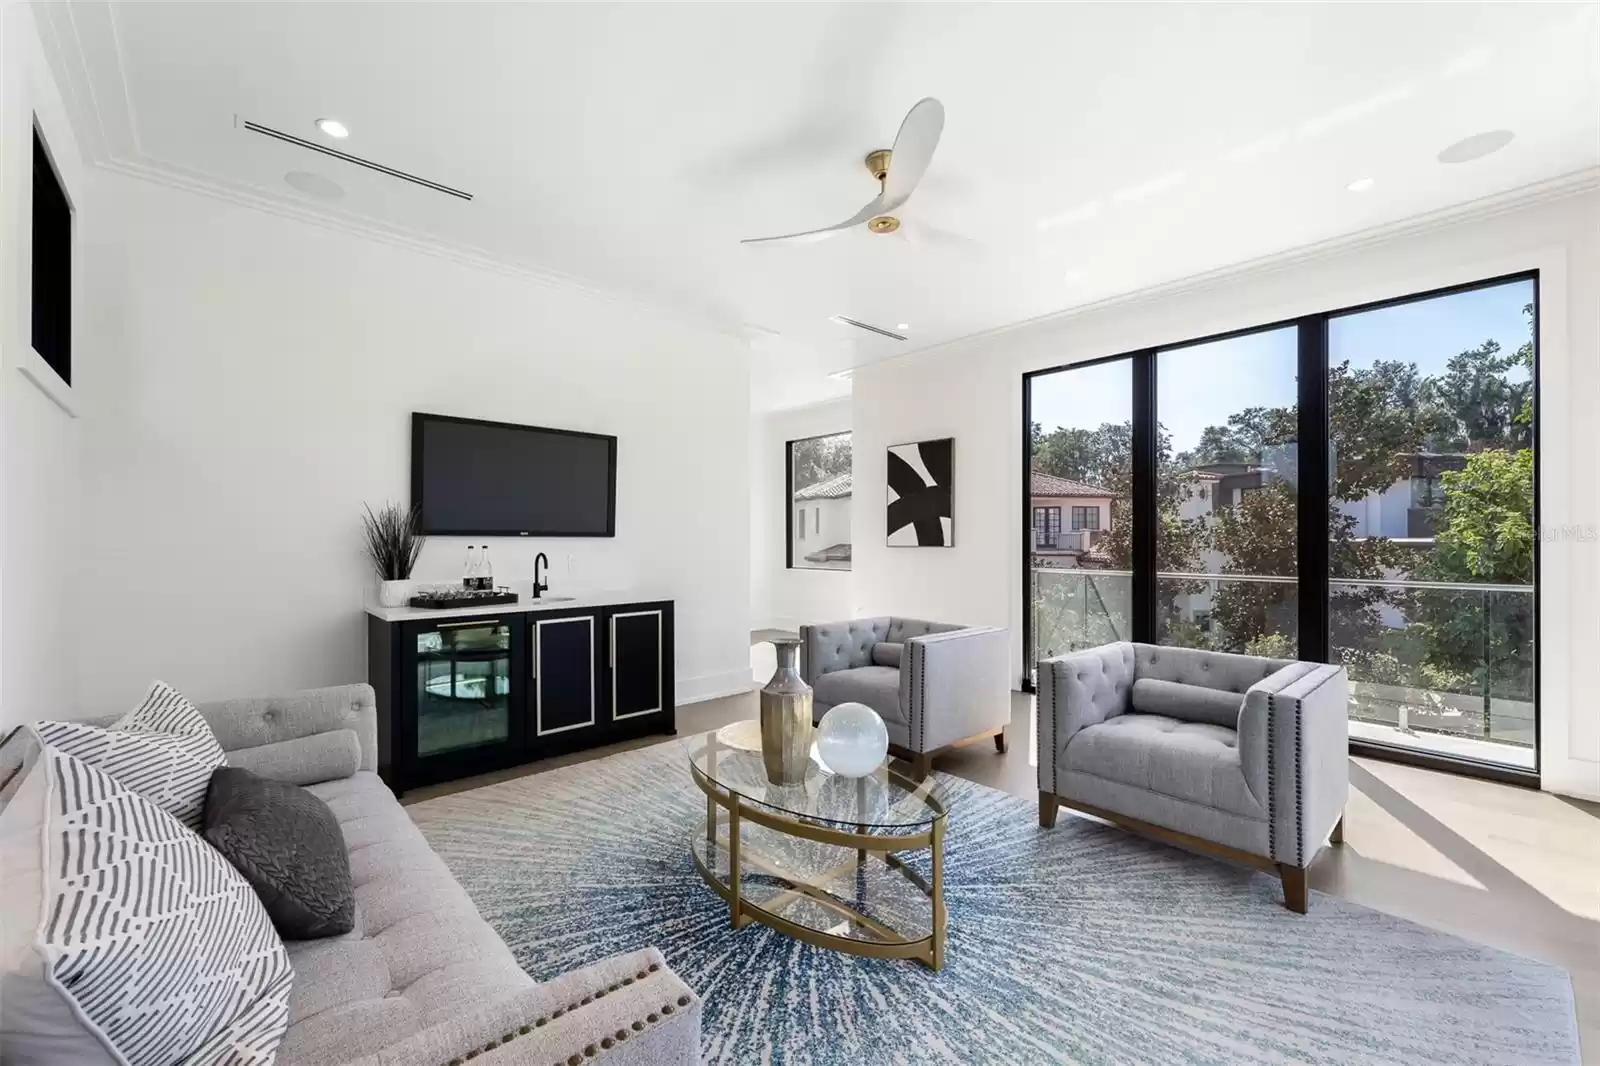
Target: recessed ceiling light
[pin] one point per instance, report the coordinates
(903, 325)
(1361, 184)
(1072, 276)
(1476, 147)
(333, 128)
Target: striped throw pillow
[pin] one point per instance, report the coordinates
(138, 943)
(162, 749)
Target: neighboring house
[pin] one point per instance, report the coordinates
(1408, 509)
(1405, 512)
(1069, 519)
(821, 527)
(1214, 486)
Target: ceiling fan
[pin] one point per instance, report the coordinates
(898, 171)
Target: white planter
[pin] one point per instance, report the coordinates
(394, 593)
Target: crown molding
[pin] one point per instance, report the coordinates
(1565, 187)
(185, 180)
(101, 125)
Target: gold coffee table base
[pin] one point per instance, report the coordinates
(887, 943)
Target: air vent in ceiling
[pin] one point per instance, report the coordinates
(289, 138)
(879, 330)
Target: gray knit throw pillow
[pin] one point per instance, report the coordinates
(288, 845)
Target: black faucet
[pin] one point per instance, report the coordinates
(539, 561)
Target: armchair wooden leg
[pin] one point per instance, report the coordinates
(1294, 887)
(1337, 836)
(921, 763)
(1000, 741)
(1048, 806)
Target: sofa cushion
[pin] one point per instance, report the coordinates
(876, 686)
(903, 629)
(419, 952)
(287, 844)
(162, 749)
(125, 926)
(303, 760)
(1191, 703)
(840, 645)
(886, 653)
(1208, 669)
(1192, 761)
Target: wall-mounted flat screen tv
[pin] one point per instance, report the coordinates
(496, 479)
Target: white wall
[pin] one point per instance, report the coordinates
(39, 436)
(972, 391)
(782, 598)
(251, 385)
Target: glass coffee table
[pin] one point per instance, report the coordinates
(852, 864)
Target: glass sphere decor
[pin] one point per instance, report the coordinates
(852, 740)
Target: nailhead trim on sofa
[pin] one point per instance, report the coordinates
(590, 1051)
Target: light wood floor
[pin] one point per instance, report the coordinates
(1509, 867)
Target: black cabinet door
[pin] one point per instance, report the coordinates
(566, 690)
(638, 669)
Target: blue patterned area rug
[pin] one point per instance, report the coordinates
(1081, 944)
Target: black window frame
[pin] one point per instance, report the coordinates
(54, 232)
(793, 509)
(1312, 508)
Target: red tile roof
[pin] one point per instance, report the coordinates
(1050, 485)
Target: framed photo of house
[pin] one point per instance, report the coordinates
(920, 508)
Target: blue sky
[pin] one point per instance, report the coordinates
(1201, 385)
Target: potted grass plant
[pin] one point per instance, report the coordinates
(391, 542)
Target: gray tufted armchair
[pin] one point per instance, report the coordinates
(1233, 754)
(937, 686)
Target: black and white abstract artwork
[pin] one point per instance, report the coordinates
(920, 514)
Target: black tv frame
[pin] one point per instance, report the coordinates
(420, 418)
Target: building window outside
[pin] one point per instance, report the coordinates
(1086, 518)
(819, 482)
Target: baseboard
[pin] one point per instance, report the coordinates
(1572, 777)
(714, 686)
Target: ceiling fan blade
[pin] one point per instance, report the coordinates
(876, 207)
(913, 150)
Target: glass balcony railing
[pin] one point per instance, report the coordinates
(1442, 667)
(1075, 609)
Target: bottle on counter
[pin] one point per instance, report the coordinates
(485, 571)
(469, 576)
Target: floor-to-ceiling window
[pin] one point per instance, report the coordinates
(1431, 527)
(1411, 559)
(1080, 425)
(1227, 494)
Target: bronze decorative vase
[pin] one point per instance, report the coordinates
(786, 728)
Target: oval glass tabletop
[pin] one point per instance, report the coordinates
(883, 801)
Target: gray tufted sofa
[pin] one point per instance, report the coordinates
(1242, 756)
(936, 685)
(423, 980)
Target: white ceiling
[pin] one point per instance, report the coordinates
(1089, 150)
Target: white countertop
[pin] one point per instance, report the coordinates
(525, 605)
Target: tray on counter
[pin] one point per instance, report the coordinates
(463, 599)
